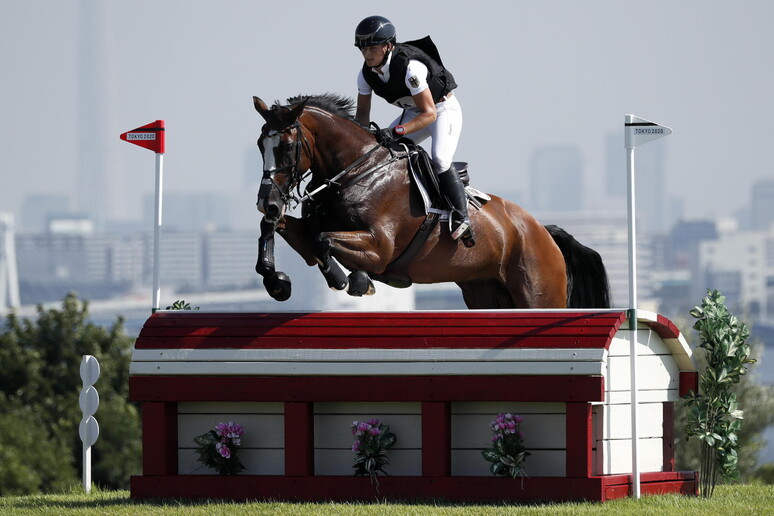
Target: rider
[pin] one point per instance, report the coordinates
(409, 78)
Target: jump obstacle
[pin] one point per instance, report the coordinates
(296, 381)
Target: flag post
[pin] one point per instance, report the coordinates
(151, 136)
(637, 131)
(157, 232)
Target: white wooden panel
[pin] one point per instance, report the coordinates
(365, 368)
(540, 430)
(261, 430)
(230, 407)
(369, 355)
(367, 407)
(492, 408)
(257, 462)
(616, 422)
(334, 431)
(682, 353)
(339, 462)
(542, 463)
(645, 396)
(617, 456)
(648, 343)
(655, 372)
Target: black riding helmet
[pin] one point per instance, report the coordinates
(374, 30)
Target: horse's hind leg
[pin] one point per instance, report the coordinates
(536, 275)
(485, 295)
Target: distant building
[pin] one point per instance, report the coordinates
(741, 266)
(229, 259)
(182, 260)
(556, 179)
(191, 211)
(39, 209)
(762, 204)
(654, 207)
(683, 242)
(608, 235)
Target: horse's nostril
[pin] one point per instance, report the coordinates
(272, 210)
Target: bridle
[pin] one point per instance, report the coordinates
(268, 183)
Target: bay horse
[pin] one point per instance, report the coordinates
(361, 208)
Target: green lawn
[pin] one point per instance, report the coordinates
(728, 501)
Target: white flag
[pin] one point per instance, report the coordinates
(639, 131)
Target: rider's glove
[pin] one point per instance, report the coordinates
(385, 136)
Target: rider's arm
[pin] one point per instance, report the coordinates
(427, 113)
(363, 113)
(416, 82)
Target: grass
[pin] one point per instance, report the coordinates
(736, 500)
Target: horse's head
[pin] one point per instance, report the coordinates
(283, 159)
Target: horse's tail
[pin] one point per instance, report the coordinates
(587, 283)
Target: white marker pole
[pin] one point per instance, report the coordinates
(89, 401)
(152, 137)
(637, 131)
(157, 232)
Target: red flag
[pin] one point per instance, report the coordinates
(150, 136)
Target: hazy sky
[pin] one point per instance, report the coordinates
(530, 74)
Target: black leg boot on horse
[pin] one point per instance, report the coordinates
(459, 221)
(277, 283)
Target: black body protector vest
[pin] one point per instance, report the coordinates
(439, 79)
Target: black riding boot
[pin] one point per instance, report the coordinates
(459, 222)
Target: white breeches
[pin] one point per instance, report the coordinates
(444, 132)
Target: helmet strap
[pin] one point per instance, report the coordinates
(390, 47)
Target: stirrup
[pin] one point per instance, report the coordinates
(461, 229)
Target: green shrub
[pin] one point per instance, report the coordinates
(714, 416)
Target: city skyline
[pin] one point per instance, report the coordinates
(554, 73)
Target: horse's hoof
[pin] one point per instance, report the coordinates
(278, 286)
(360, 285)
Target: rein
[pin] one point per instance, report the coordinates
(333, 181)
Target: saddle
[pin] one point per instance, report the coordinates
(425, 181)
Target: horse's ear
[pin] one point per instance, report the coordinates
(261, 107)
(296, 111)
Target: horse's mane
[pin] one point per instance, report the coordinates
(331, 102)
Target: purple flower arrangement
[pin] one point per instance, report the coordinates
(507, 453)
(372, 440)
(218, 448)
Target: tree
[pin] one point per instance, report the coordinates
(39, 387)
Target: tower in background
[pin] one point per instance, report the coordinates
(556, 179)
(91, 196)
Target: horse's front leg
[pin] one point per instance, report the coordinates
(361, 251)
(277, 283)
(299, 236)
